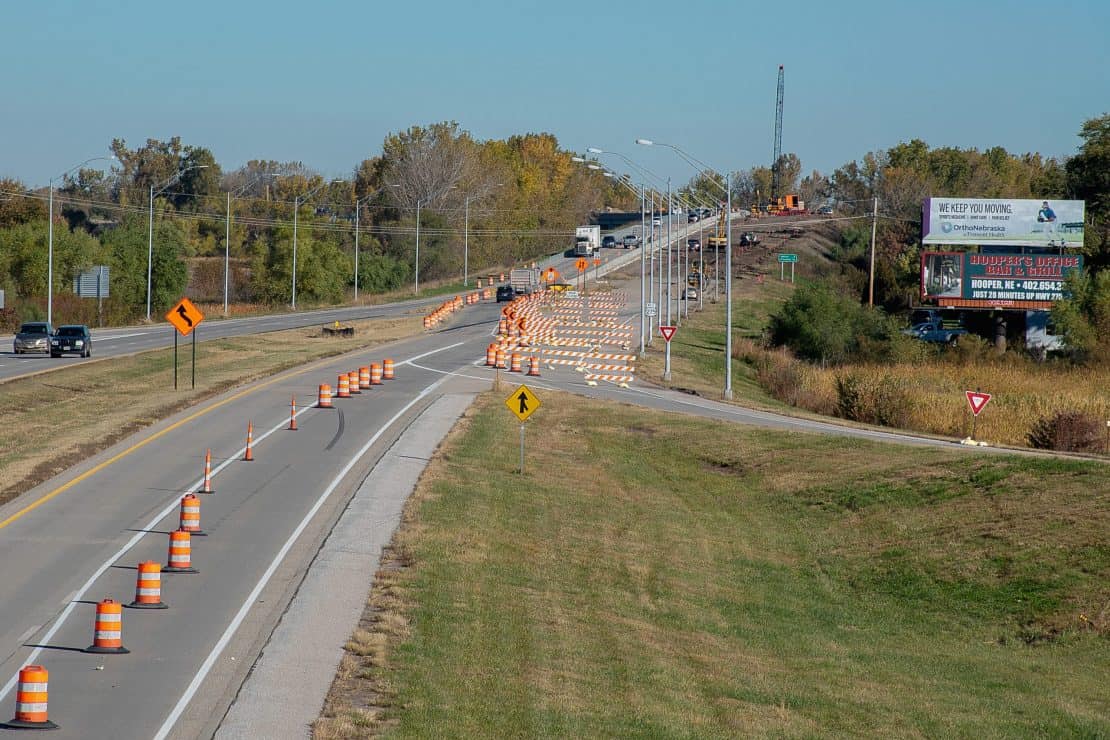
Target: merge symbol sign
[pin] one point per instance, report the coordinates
(522, 402)
(184, 316)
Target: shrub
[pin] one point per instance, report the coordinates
(1068, 431)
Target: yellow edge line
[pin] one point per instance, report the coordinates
(124, 453)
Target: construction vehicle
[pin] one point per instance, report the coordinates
(719, 240)
(787, 205)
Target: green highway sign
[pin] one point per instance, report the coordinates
(788, 258)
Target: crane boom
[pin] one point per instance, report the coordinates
(778, 140)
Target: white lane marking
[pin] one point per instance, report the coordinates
(225, 638)
(411, 360)
(45, 639)
(99, 338)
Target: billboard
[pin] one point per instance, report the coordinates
(1019, 223)
(969, 279)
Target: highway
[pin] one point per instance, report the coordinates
(79, 537)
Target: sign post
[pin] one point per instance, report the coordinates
(523, 403)
(667, 332)
(977, 400)
(185, 318)
(581, 264)
(783, 259)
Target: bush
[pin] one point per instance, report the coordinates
(1068, 431)
(873, 399)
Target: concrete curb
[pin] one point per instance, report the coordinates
(289, 682)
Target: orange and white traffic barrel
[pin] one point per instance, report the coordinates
(108, 629)
(30, 700)
(499, 361)
(190, 515)
(352, 381)
(514, 362)
(344, 385)
(148, 587)
(323, 401)
(487, 294)
(387, 368)
(427, 322)
(206, 485)
(534, 366)
(491, 355)
(364, 377)
(293, 414)
(501, 278)
(375, 374)
(180, 556)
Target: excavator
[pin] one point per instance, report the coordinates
(719, 240)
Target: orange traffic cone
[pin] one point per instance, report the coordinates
(30, 701)
(206, 487)
(248, 455)
(108, 629)
(293, 414)
(148, 587)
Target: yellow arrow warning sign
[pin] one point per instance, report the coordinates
(522, 402)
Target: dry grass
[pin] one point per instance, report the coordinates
(54, 420)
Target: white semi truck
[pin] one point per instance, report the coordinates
(587, 241)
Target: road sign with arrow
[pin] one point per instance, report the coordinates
(522, 402)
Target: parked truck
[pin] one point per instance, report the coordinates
(587, 241)
(936, 331)
(524, 280)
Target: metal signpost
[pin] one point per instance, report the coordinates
(185, 317)
(93, 284)
(523, 403)
(977, 400)
(783, 259)
(667, 332)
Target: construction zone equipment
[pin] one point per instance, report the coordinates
(179, 558)
(323, 401)
(719, 239)
(248, 453)
(108, 629)
(787, 205)
(343, 383)
(352, 382)
(491, 355)
(364, 377)
(534, 366)
(148, 587)
(293, 414)
(375, 374)
(206, 485)
(514, 362)
(387, 368)
(30, 700)
(189, 520)
(499, 361)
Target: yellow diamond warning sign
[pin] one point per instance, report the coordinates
(522, 402)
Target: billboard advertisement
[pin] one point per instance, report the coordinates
(1012, 280)
(1019, 223)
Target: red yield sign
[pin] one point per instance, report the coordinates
(667, 332)
(977, 400)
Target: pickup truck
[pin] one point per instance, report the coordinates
(934, 331)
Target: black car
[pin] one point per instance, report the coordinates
(693, 245)
(505, 293)
(609, 241)
(71, 338)
(693, 217)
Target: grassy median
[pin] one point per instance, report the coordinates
(56, 419)
(655, 575)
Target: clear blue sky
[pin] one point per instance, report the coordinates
(324, 82)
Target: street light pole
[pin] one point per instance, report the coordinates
(466, 243)
(416, 287)
(667, 357)
(296, 208)
(728, 288)
(150, 227)
(358, 208)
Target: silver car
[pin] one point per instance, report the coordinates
(33, 336)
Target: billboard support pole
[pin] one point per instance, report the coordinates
(871, 277)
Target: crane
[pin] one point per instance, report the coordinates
(778, 140)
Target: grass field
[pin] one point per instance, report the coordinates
(654, 575)
(56, 419)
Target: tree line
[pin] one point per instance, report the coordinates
(518, 198)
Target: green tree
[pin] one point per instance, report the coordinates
(16, 204)
(24, 255)
(1083, 317)
(127, 245)
(1088, 179)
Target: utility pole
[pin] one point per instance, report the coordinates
(871, 278)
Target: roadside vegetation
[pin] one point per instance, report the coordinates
(57, 419)
(654, 575)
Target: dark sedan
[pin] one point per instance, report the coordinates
(505, 293)
(72, 338)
